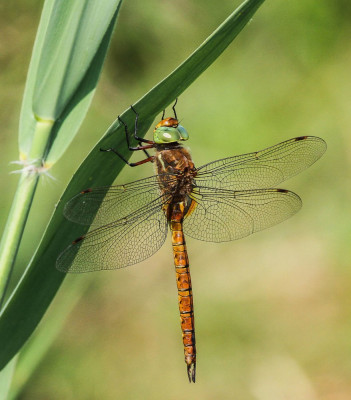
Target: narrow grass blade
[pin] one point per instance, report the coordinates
(68, 55)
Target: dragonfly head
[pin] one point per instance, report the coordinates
(169, 131)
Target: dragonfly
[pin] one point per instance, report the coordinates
(223, 200)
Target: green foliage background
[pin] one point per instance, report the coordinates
(272, 310)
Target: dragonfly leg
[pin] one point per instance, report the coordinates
(142, 147)
(140, 140)
(136, 137)
(145, 151)
(149, 159)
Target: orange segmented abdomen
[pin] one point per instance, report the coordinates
(185, 295)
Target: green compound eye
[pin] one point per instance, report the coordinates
(166, 134)
(183, 132)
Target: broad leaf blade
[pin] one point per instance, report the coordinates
(66, 63)
(74, 113)
(37, 288)
(73, 25)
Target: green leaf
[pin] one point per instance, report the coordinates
(74, 113)
(67, 58)
(77, 25)
(38, 286)
(6, 376)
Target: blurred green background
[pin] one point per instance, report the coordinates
(273, 311)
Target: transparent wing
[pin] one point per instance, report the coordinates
(119, 244)
(224, 215)
(262, 169)
(104, 205)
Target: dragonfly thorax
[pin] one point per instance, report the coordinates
(169, 131)
(176, 172)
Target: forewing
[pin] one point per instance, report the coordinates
(117, 245)
(262, 169)
(104, 205)
(224, 215)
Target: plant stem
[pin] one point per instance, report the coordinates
(14, 227)
(17, 218)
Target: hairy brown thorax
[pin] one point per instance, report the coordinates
(175, 161)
